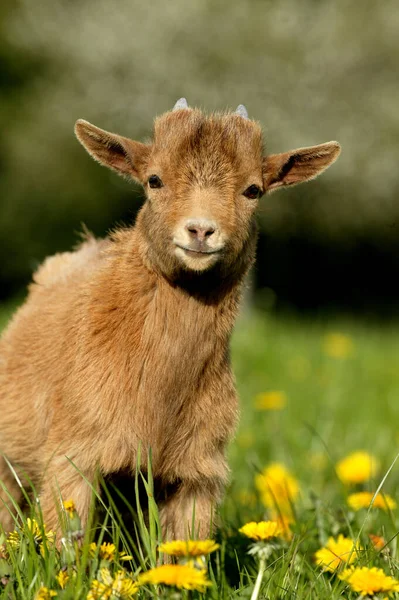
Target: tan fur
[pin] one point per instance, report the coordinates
(124, 343)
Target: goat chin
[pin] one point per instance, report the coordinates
(114, 353)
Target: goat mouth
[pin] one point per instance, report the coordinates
(193, 251)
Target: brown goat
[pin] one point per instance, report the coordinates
(125, 342)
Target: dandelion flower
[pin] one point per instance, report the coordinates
(120, 586)
(262, 531)
(98, 590)
(188, 548)
(357, 467)
(70, 508)
(107, 551)
(338, 345)
(336, 553)
(273, 400)
(277, 487)
(45, 594)
(123, 586)
(62, 578)
(363, 500)
(369, 581)
(181, 576)
(31, 529)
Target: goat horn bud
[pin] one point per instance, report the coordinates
(242, 111)
(181, 103)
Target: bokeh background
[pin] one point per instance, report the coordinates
(309, 71)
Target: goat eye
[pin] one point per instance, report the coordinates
(155, 182)
(253, 192)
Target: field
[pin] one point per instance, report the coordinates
(312, 393)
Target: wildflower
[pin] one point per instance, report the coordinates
(336, 553)
(70, 508)
(120, 586)
(368, 581)
(357, 467)
(363, 500)
(107, 551)
(262, 531)
(123, 586)
(181, 576)
(45, 594)
(377, 541)
(273, 400)
(98, 590)
(62, 578)
(277, 487)
(338, 345)
(188, 548)
(31, 529)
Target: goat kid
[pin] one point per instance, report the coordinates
(125, 342)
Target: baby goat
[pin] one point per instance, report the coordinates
(125, 342)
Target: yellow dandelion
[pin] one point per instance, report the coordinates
(338, 345)
(378, 541)
(363, 500)
(189, 547)
(45, 594)
(70, 508)
(123, 586)
(181, 576)
(357, 467)
(262, 531)
(31, 529)
(277, 487)
(107, 551)
(98, 590)
(120, 586)
(336, 553)
(273, 400)
(369, 581)
(62, 578)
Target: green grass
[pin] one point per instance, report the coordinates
(334, 406)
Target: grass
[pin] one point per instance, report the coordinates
(338, 394)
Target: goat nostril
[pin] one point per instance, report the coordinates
(200, 231)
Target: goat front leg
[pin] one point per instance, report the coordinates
(62, 482)
(190, 512)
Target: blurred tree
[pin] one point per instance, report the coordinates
(309, 71)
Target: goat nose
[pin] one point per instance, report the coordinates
(200, 230)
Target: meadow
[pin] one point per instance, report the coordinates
(313, 392)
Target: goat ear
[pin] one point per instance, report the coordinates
(303, 164)
(121, 154)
